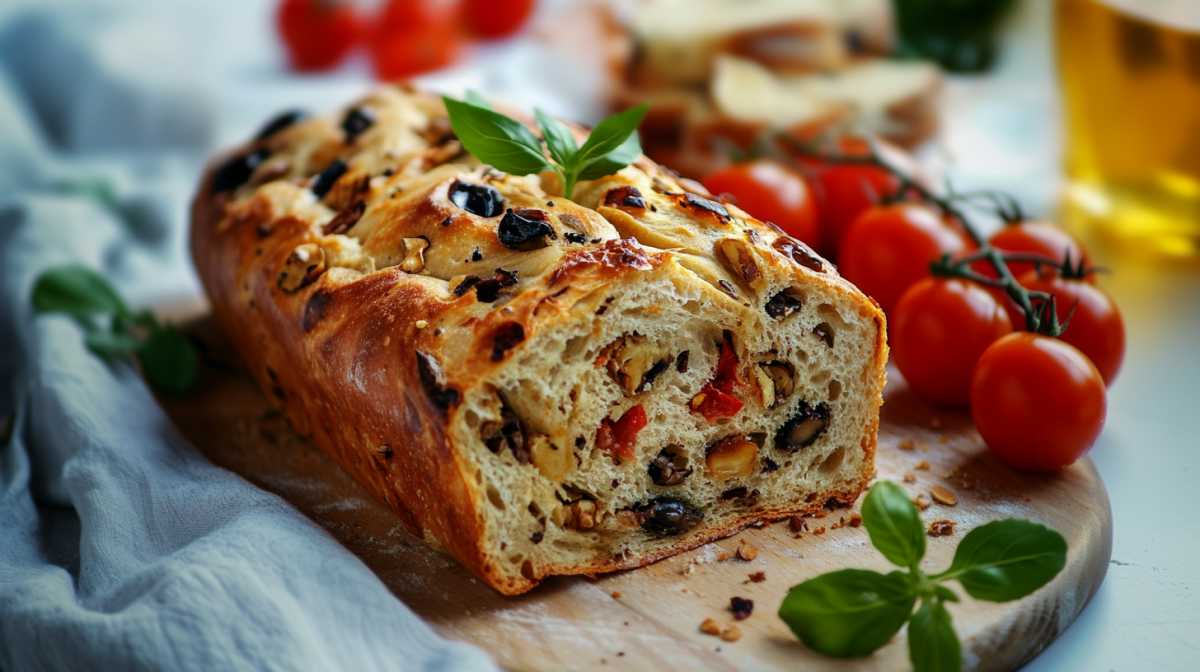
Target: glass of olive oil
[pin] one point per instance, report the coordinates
(1130, 77)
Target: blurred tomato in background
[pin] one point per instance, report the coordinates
(319, 34)
(403, 38)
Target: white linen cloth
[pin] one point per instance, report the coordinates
(121, 547)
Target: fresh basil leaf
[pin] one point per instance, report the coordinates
(625, 154)
(473, 98)
(894, 524)
(932, 643)
(944, 593)
(848, 613)
(75, 290)
(1007, 559)
(611, 134)
(168, 360)
(559, 138)
(108, 343)
(501, 142)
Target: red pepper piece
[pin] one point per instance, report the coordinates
(714, 404)
(620, 437)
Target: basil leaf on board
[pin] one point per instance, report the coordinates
(168, 360)
(932, 643)
(75, 290)
(1007, 559)
(625, 154)
(559, 139)
(473, 98)
(848, 613)
(894, 524)
(501, 142)
(611, 134)
(109, 343)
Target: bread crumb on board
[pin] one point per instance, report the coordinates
(941, 528)
(747, 552)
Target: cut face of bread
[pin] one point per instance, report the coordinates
(537, 384)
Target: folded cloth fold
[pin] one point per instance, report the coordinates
(121, 547)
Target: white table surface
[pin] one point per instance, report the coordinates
(1001, 132)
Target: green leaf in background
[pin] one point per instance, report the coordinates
(168, 360)
(611, 134)
(559, 139)
(497, 140)
(625, 154)
(932, 643)
(473, 98)
(848, 613)
(75, 290)
(110, 343)
(1007, 559)
(894, 524)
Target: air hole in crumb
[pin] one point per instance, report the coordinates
(494, 497)
(835, 389)
(479, 476)
(472, 418)
(822, 376)
(758, 438)
(527, 570)
(834, 461)
(516, 559)
(575, 346)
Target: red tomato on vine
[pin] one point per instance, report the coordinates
(1095, 326)
(846, 190)
(889, 248)
(1035, 238)
(773, 193)
(1037, 401)
(318, 34)
(940, 328)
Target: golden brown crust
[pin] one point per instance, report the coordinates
(370, 363)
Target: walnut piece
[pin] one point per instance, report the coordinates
(414, 255)
(304, 265)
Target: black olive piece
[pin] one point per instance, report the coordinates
(741, 607)
(575, 237)
(524, 231)
(237, 170)
(654, 372)
(476, 255)
(769, 465)
(508, 336)
(740, 492)
(488, 290)
(627, 196)
(798, 252)
(667, 516)
(280, 122)
(329, 177)
(478, 199)
(356, 121)
(315, 309)
(803, 429)
(691, 200)
(681, 364)
(669, 467)
(430, 372)
(782, 304)
(508, 433)
(466, 284)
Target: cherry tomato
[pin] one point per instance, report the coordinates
(846, 191)
(1096, 327)
(414, 36)
(773, 193)
(318, 34)
(889, 248)
(941, 327)
(620, 437)
(491, 19)
(1034, 238)
(1038, 402)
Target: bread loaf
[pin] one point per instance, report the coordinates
(536, 385)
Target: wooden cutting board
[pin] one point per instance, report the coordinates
(649, 618)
